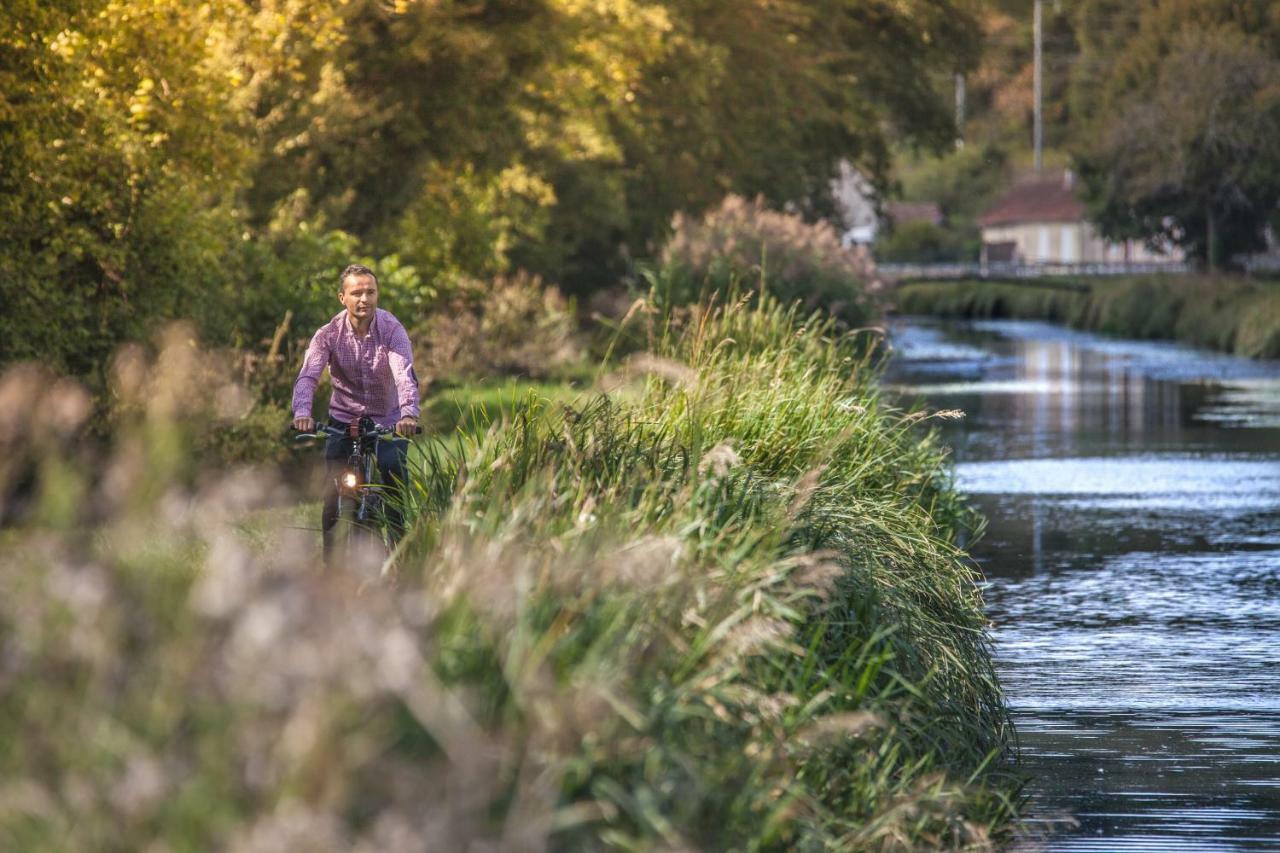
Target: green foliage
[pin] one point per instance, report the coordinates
(222, 172)
(963, 182)
(116, 156)
(122, 154)
(1107, 29)
(463, 224)
(556, 133)
(1180, 147)
(742, 245)
(838, 72)
(924, 242)
(1230, 314)
(298, 274)
(979, 299)
(751, 437)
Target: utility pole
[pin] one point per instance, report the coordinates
(959, 110)
(1039, 84)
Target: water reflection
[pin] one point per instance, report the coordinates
(1133, 573)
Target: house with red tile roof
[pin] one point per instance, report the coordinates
(1041, 220)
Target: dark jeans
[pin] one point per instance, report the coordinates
(392, 465)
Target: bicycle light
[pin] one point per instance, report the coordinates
(350, 479)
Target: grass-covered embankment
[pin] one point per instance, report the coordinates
(1229, 314)
(720, 607)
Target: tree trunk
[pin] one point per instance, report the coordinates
(1211, 241)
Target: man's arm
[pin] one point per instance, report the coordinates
(304, 387)
(400, 358)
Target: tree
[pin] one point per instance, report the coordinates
(1189, 153)
(116, 154)
(1105, 29)
(763, 98)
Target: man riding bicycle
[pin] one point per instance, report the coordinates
(370, 363)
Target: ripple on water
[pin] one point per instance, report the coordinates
(1151, 477)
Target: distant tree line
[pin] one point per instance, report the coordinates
(219, 160)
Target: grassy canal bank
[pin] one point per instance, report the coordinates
(1230, 314)
(715, 602)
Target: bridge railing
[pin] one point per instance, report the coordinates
(1268, 263)
(944, 271)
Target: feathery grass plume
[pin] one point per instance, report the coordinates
(719, 460)
(743, 245)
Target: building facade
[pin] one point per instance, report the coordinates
(1041, 221)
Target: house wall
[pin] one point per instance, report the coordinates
(1071, 243)
(855, 200)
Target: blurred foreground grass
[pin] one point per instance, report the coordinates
(716, 603)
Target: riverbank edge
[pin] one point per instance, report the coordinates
(1229, 314)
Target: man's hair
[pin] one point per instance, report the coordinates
(354, 269)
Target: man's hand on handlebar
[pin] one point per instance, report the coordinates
(308, 428)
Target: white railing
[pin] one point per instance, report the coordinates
(943, 271)
(1263, 263)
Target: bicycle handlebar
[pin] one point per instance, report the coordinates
(377, 432)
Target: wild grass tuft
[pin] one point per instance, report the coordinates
(808, 577)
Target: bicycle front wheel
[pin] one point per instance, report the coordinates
(366, 544)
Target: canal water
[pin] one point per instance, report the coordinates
(1132, 566)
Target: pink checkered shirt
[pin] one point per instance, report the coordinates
(371, 376)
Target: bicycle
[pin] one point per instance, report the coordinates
(361, 523)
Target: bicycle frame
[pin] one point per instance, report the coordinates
(362, 465)
(358, 482)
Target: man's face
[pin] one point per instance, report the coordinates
(359, 296)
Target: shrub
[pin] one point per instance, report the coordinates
(743, 243)
(516, 325)
(923, 243)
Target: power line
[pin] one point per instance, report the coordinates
(1038, 26)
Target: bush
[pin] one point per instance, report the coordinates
(923, 243)
(516, 325)
(744, 244)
